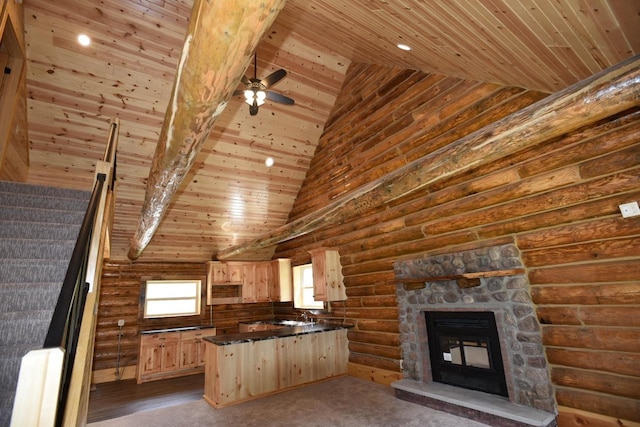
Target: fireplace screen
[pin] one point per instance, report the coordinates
(465, 350)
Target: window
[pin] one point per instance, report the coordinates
(169, 298)
(303, 288)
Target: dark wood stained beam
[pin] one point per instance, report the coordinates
(218, 47)
(609, 92)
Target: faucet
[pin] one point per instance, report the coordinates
(307, 317)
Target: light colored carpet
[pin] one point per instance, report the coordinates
(344, 401)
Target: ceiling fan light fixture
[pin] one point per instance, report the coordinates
(260, 97)
(249, 96)
(252, 96)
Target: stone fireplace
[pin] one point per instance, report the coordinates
(481, 280)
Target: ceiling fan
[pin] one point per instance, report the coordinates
(256, 91)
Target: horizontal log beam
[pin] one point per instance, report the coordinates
(218, 47)
(607, 93)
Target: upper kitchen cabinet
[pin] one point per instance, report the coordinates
(225, 272)
(224, 282)
(328, 282)
(256, 282)
(282, 280)
(268, 281)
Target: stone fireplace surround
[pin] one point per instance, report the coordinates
(527, 376)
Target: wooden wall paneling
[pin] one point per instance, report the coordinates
(558, 202)
(571, 417)
(13, 126)
(594, 293)
(597, 381)
(622, 408)
(623, 363)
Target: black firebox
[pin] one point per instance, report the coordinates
(465, 350)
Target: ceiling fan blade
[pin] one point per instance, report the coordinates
(273, 78)
(238, 92)
(245, 80)
(276, 97)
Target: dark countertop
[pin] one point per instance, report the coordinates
(185, 328)
(290, 331)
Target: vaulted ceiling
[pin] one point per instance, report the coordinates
(230, 195)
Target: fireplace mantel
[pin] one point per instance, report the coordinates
(464, 280)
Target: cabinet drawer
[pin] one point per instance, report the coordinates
(198, 333)
(165, 337)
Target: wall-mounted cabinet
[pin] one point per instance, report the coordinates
(328, 281)
(249, 282)
(282, 282)
(224, 282)
(256, 282)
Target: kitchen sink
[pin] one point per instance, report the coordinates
(270, 325)
(293, 323)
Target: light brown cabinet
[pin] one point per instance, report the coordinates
(192, 347)
(158, 354)
(239, 372)
(328, 281)
(171, 354)
(255, 287)
(227, 274)
(282, 280)
(249, 282)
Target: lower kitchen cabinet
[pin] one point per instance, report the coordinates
(237, 372)
(171, 354)
(158, 354)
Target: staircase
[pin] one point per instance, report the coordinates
(38, 229)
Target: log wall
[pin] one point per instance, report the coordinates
(120, 298)
(14, 143)
(558, 202)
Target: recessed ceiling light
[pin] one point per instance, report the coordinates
(403, 46)
(84, 39)
(269, 162)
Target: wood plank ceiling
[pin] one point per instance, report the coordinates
(230, 195)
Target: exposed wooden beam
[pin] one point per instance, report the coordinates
(218, 47)
(607, 93)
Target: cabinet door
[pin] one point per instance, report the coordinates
(262, 273)
(170, 355)
(189, 353)
(235, 272)
(150, 358)
(318, 261)
(328, 282)
(216, 272)
(201, 344)
(281, 280)
(249, 284)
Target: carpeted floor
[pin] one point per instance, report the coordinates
(344, 401)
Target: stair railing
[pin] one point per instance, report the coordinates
(53, 386)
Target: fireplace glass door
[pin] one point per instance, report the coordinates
(465, 351)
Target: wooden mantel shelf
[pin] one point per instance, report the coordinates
(464, 280)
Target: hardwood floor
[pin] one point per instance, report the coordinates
(116, 399)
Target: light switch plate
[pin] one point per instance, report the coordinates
(629, 209)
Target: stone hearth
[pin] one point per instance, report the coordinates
(508, 297)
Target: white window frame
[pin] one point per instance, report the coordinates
(196, 297)
(299, 285)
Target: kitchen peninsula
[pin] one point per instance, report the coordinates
(244, 366)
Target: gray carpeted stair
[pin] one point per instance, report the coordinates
(38, 229)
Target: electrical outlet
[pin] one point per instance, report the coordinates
(121, 322)
(629, 209)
